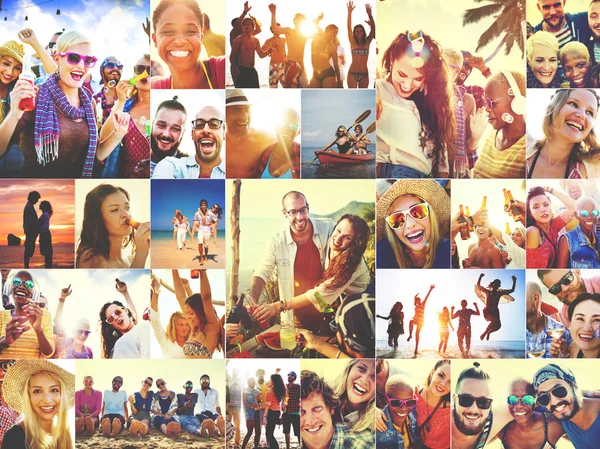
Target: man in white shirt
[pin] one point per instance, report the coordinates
(208, 410)
(114, 409)
(203, 219)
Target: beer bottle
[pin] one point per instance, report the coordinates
(506, 202)
(464, 230)
(469, 219)
(507, 229)
(514, 209)
(484, 203)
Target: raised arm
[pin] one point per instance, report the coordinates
(477, 312)
(512, 289)
(259, 50)
(371, 23)
(179, 289)
(383, 317)
(350, 35)
(431, 287)
(209, 311)
(479, 280)
(121, 287)
(64, 293)
(453, 314)
(27, 36)
(564, 198)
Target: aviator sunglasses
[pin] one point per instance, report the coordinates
(397, 220)
(74, 58)
(559, 392)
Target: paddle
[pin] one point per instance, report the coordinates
(358, 120)
(369, 130)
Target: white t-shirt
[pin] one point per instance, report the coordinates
(135, 344)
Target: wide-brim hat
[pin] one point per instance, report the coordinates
(426, 189)
(14, 387)
(236, 97)
(13, 49)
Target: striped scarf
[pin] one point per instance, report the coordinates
(47, 131)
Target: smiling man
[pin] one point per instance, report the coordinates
(319, 418)
(208, 134)
(565, 26)
(114, 409)
(483, 253)
(557, 390)
(167, 130)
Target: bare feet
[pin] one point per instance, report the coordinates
(220, 424)
(173, 430)
(89, 425)
(105, 426)
(116, 427)
(79, 425)
(207, 429)
(134, 428)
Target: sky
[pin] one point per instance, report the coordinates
(461, 285)
(324, 110)
(244, 368)
(168, 195)
(60, 193)
(98, 20)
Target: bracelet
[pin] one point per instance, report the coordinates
(282, 306)
(486, 72)
(61, 299)
(337, 356)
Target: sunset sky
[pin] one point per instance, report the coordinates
(60, 193)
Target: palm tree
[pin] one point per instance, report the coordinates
(509, 23)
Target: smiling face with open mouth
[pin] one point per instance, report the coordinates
(562, 409)
(402, 392)
(122, 321)
(178, 37)
(544, 64)
(360, 383)
(521, 412)
(73, 75)
(587, 214)
(415, 234)
(238, 119)
(471, 420)
(209, 141)
(586, 321)
(575, 119)
(316, 421)
(10, 69)
(406, 79)
(440, 381)
(342, 236)
(21, 294)
(44, 395)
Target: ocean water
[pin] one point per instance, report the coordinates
(512, 349)
(12, 256)
(363, 170)
(167, 236)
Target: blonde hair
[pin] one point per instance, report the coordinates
(35, 436)
(172, 327)
(521, 231)
(70, 39)
(82, 322)
(541, 38)
(453, 56)
(366, 412)
(396, 381)
(399, 249)
(576, 49)
(557, 101)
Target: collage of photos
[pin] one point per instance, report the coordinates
(342, 224)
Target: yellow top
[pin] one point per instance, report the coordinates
(495, 164)
(26, 346)
(214, 43)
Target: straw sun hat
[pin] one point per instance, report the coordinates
(12, 49)
(17, 376)
(427, 189)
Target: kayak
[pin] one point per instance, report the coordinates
(330, 157)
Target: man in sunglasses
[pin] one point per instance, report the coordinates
(567, 285)
(88, 406)
(578, 248)
(245, 144)
(208, 134)
(298, 253)
(208, 410)
(167, 131)
(110, 75)
(114, 409)
(580, 416)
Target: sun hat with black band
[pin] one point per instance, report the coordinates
(427, 189)
(236, 97)
(13, 49)
(17, 376)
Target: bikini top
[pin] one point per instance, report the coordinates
(360, 51)
(195, 348)
(575, 173)
(545, 445)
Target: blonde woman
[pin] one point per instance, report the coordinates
(178, 329)
(31, 387)
(356, 391)
(412, 225)
(542, 60)
(568, 149)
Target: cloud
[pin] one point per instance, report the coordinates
(312, 134)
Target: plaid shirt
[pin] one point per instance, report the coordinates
(293, 399)
(6, 420)
(343, 438)
(264, 159)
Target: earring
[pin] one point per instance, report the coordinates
(425, 90)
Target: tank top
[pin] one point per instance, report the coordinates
(136, 147)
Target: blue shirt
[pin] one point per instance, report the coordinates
(583, 439)
(184, 168)
(113, 402)
(392, 438)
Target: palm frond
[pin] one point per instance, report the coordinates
(474, 15)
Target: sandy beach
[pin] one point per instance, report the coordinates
(155, 440)
(166, 255)
(12, 256)
(278, 434)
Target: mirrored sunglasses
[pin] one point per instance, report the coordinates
(397, 220)
(17, 282)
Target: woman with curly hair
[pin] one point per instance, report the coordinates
(345, 272)
(106, 231)
(275, 395)
(417, 93)
(568, 150)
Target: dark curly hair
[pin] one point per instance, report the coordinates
(278, 387)
(311, 382)
(435, 107)
(108, 334)
(533, 192)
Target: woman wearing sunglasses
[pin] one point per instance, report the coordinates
(124, 161)
(74, 346)
(543, 227)
(412, 225)
(539, 429)
(432, 409)
(579, 247)
(178, 28)
(568, 149)
(400, 421)
(59, 137)
(25, 331)
(141, 404)
(120, 334)
(106, 232)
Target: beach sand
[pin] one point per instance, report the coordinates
(12, 256)
(155, 440)
(278, 434)
(166, 255)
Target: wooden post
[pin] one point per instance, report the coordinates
(235, 238)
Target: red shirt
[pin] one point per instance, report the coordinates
(307, 273)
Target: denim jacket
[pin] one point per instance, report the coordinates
(581, 253)
(391, 438)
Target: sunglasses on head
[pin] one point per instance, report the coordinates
(117, 313)
(397, 220)
(213, 123)
(565, 280)
(83, 332)
(17, 282)
(139, 69)
(466, 400)
(527, 400)
(147, 382)
(112, 65)
(406, 403)
(74, 58)
(7, 364)
(586, 213)
(559, 392)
